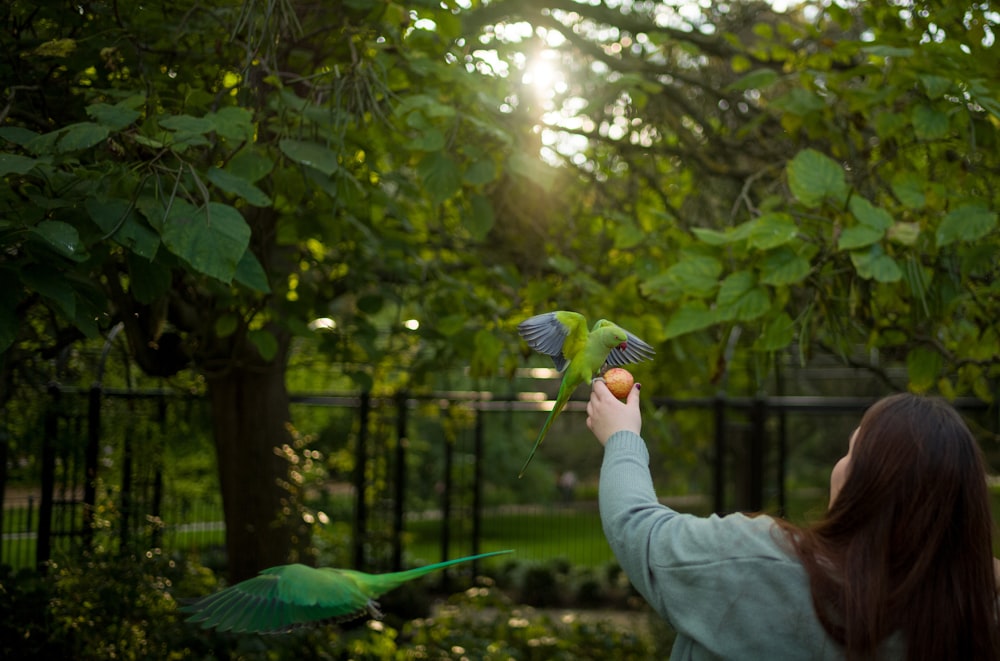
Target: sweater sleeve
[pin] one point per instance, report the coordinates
(724, 583)
(631, 515)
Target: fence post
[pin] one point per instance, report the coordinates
(719, 460)
(90, 455)
(43, 549)
(400, 481)
(449, 458)
(157, 504)
(758, 446)
(360, 468)
(126, 487)
(477, 487)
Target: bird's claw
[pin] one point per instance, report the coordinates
(373, 609)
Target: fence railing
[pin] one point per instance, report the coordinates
(75, 443)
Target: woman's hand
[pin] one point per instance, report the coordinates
(606, 414)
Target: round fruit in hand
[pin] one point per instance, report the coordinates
(619, 382)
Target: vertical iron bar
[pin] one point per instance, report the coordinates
(719, 460)
(90, 462)
(449, 458)
(399, 488)
(126, 486)
(360, 468)
(477, 488)
(758, 447)
(157, 504)
(43, 548)
(782, 440)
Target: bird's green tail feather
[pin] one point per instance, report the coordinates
(380, 583)
(545, 428)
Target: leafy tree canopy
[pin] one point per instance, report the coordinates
(219, 178)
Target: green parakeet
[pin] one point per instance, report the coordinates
(578, 353)
(282, 598)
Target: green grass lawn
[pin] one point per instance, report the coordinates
(536, 534)
(539, 535)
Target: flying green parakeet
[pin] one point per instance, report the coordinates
(578, 353)
(283, 598)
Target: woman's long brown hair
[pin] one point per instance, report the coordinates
(906, 546)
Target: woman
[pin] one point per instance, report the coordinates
(900, 567)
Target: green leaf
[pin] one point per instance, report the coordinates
(487, 353)
(778, 333)
(211, 239)
(51, 284)
(187, 124)
(889, 124)
(813, 177)
(451, 324)
(82, 136)
(251, 165)
(430, 140)
(481, 172)
(265, 342)
(118, 221)
(880, 50)
(311, 154)
(874, 264)
(626, 234)
(771, 230)
(18, 135)
(935, 86)
(712, 237)
(249, 272)
(14, 163)
(692, 317)
(759, 80)
(114, 117)
(440, 175)
(799, 101)
(236, 185)
(232, 123)
(226, 324)
(909, 189)
(929, 123)
(741, 299)
(479, 219)
(696, 275)
(868, 214)
(923, 366)
(968, 222)
(904, 233)
(858, 236)
(61, 237)
(784, 267)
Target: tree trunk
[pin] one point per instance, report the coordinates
(250, 414)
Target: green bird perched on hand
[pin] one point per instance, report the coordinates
(580, 354)
(283, 598)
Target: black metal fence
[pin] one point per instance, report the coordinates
(450, 457)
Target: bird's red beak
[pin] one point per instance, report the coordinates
(623, 346)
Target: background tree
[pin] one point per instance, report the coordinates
(813, 181)
(214, 177)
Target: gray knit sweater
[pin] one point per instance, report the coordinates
(730, 586)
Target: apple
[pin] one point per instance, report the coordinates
(619, 382)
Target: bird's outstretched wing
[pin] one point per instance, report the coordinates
(555, 334)
(288, 596)
(280, 599)
(635, 351)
